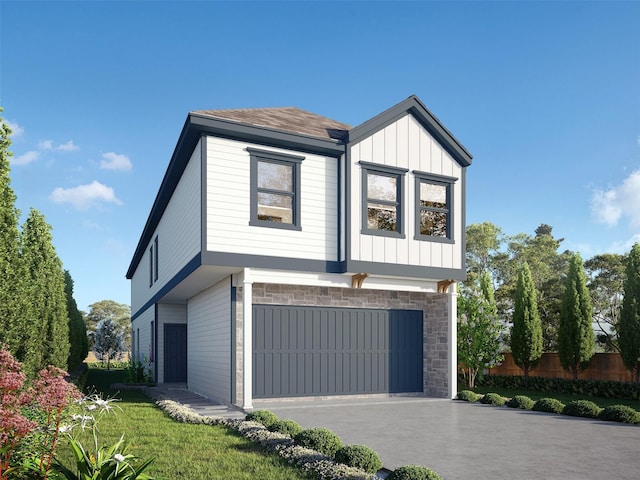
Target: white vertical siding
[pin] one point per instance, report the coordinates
(178, 232)
(228, 206)
(405, 144)
(209, 340)
(167, 313)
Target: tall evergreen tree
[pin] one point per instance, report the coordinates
(526, 334)
(629, 325)
(47, 311)
(78, 342)
(576, 341)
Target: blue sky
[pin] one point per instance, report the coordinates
(545, 95)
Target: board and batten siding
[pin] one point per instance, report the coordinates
(167, 313)
(178, 233)
(228, 206)
(142, 328)
(405, 144)
(209, 342)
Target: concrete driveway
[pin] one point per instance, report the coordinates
(460, 440)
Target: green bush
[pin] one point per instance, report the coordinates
(359, 456)
(288, 427)
(468, 396)
(582, 408)
(549, 405)
(520, 401)
(320, 439)
(413, 472)
(492, 399)
(620, 413)
(265, 417)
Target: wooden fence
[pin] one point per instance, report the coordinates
(603, 366)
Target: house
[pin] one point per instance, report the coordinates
(287, 254)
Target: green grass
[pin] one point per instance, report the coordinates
(563, 397)
(195, 452)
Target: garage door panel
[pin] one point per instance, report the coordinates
(309, 351)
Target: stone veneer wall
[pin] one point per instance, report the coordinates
(434, 306)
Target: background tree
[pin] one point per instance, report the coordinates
(479, 330)
(576, 342)
(47, 308)
(526, 334)
(108, 341)
(605, 278)
(629, 325)
(119, 313)
(78, 341)
(484, 241)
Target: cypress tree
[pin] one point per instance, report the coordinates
(576, 340)
(629, 326)
(526, 334)
(78, 342)
(47, 311)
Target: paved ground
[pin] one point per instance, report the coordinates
(464, 441)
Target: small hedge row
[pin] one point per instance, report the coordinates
(592, 388)
(576, 408)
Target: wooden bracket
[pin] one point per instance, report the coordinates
(443, 285)
(357, 279)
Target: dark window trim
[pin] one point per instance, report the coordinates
(443, 180)
(294, 161)
(384, 170)
(155, 259)
(151, 266)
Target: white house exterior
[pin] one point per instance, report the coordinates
(288, 254)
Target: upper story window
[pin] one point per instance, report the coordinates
(275, 189)
(382, 199)
(434, 207)
(153, 262)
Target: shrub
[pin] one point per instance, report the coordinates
(492, 399)
(620, 413)
(359, 456)
(288, 427)
(549, 405)
(582, 408)
(468, 396)
(265, 417)
(320, 439)
(413, 472)
(520, 401)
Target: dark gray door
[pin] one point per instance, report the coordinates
(309, 351)
(175, 353)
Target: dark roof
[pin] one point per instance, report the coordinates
(290, 119)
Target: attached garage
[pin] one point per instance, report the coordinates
(314, 351)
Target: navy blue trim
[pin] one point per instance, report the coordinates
(242, 260)
(339, 205)
(234, 294)
(412, 271)
(156, 364)
(187, 270)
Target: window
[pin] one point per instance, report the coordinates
(152, 344)
(275, 189)
(382, 193)
(153, 262)
(151, 266)
(434, 207)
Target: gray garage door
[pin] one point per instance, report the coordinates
(309, 351)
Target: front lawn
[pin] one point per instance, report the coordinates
(195, 452)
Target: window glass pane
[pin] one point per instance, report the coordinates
(433, 224)
(275, 176)
(275, 208)
(381, 187)
(381, 217)
(434, 196)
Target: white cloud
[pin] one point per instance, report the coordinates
(25, 158)
(114, 161)
(16, 130)
(68, 147)
(625, 246)
(609, 206)
(45, 145)
(84, 197)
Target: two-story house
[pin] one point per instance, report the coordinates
(287, 254)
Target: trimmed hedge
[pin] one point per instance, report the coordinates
(468, 396)
(319, 439)
(521, 401)
(288, 427)
(265, 417)
(359, 456)
(594, 388)
(620, 413)
(582, 408)
(413, 472)
(493, 399)
(548, 405)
